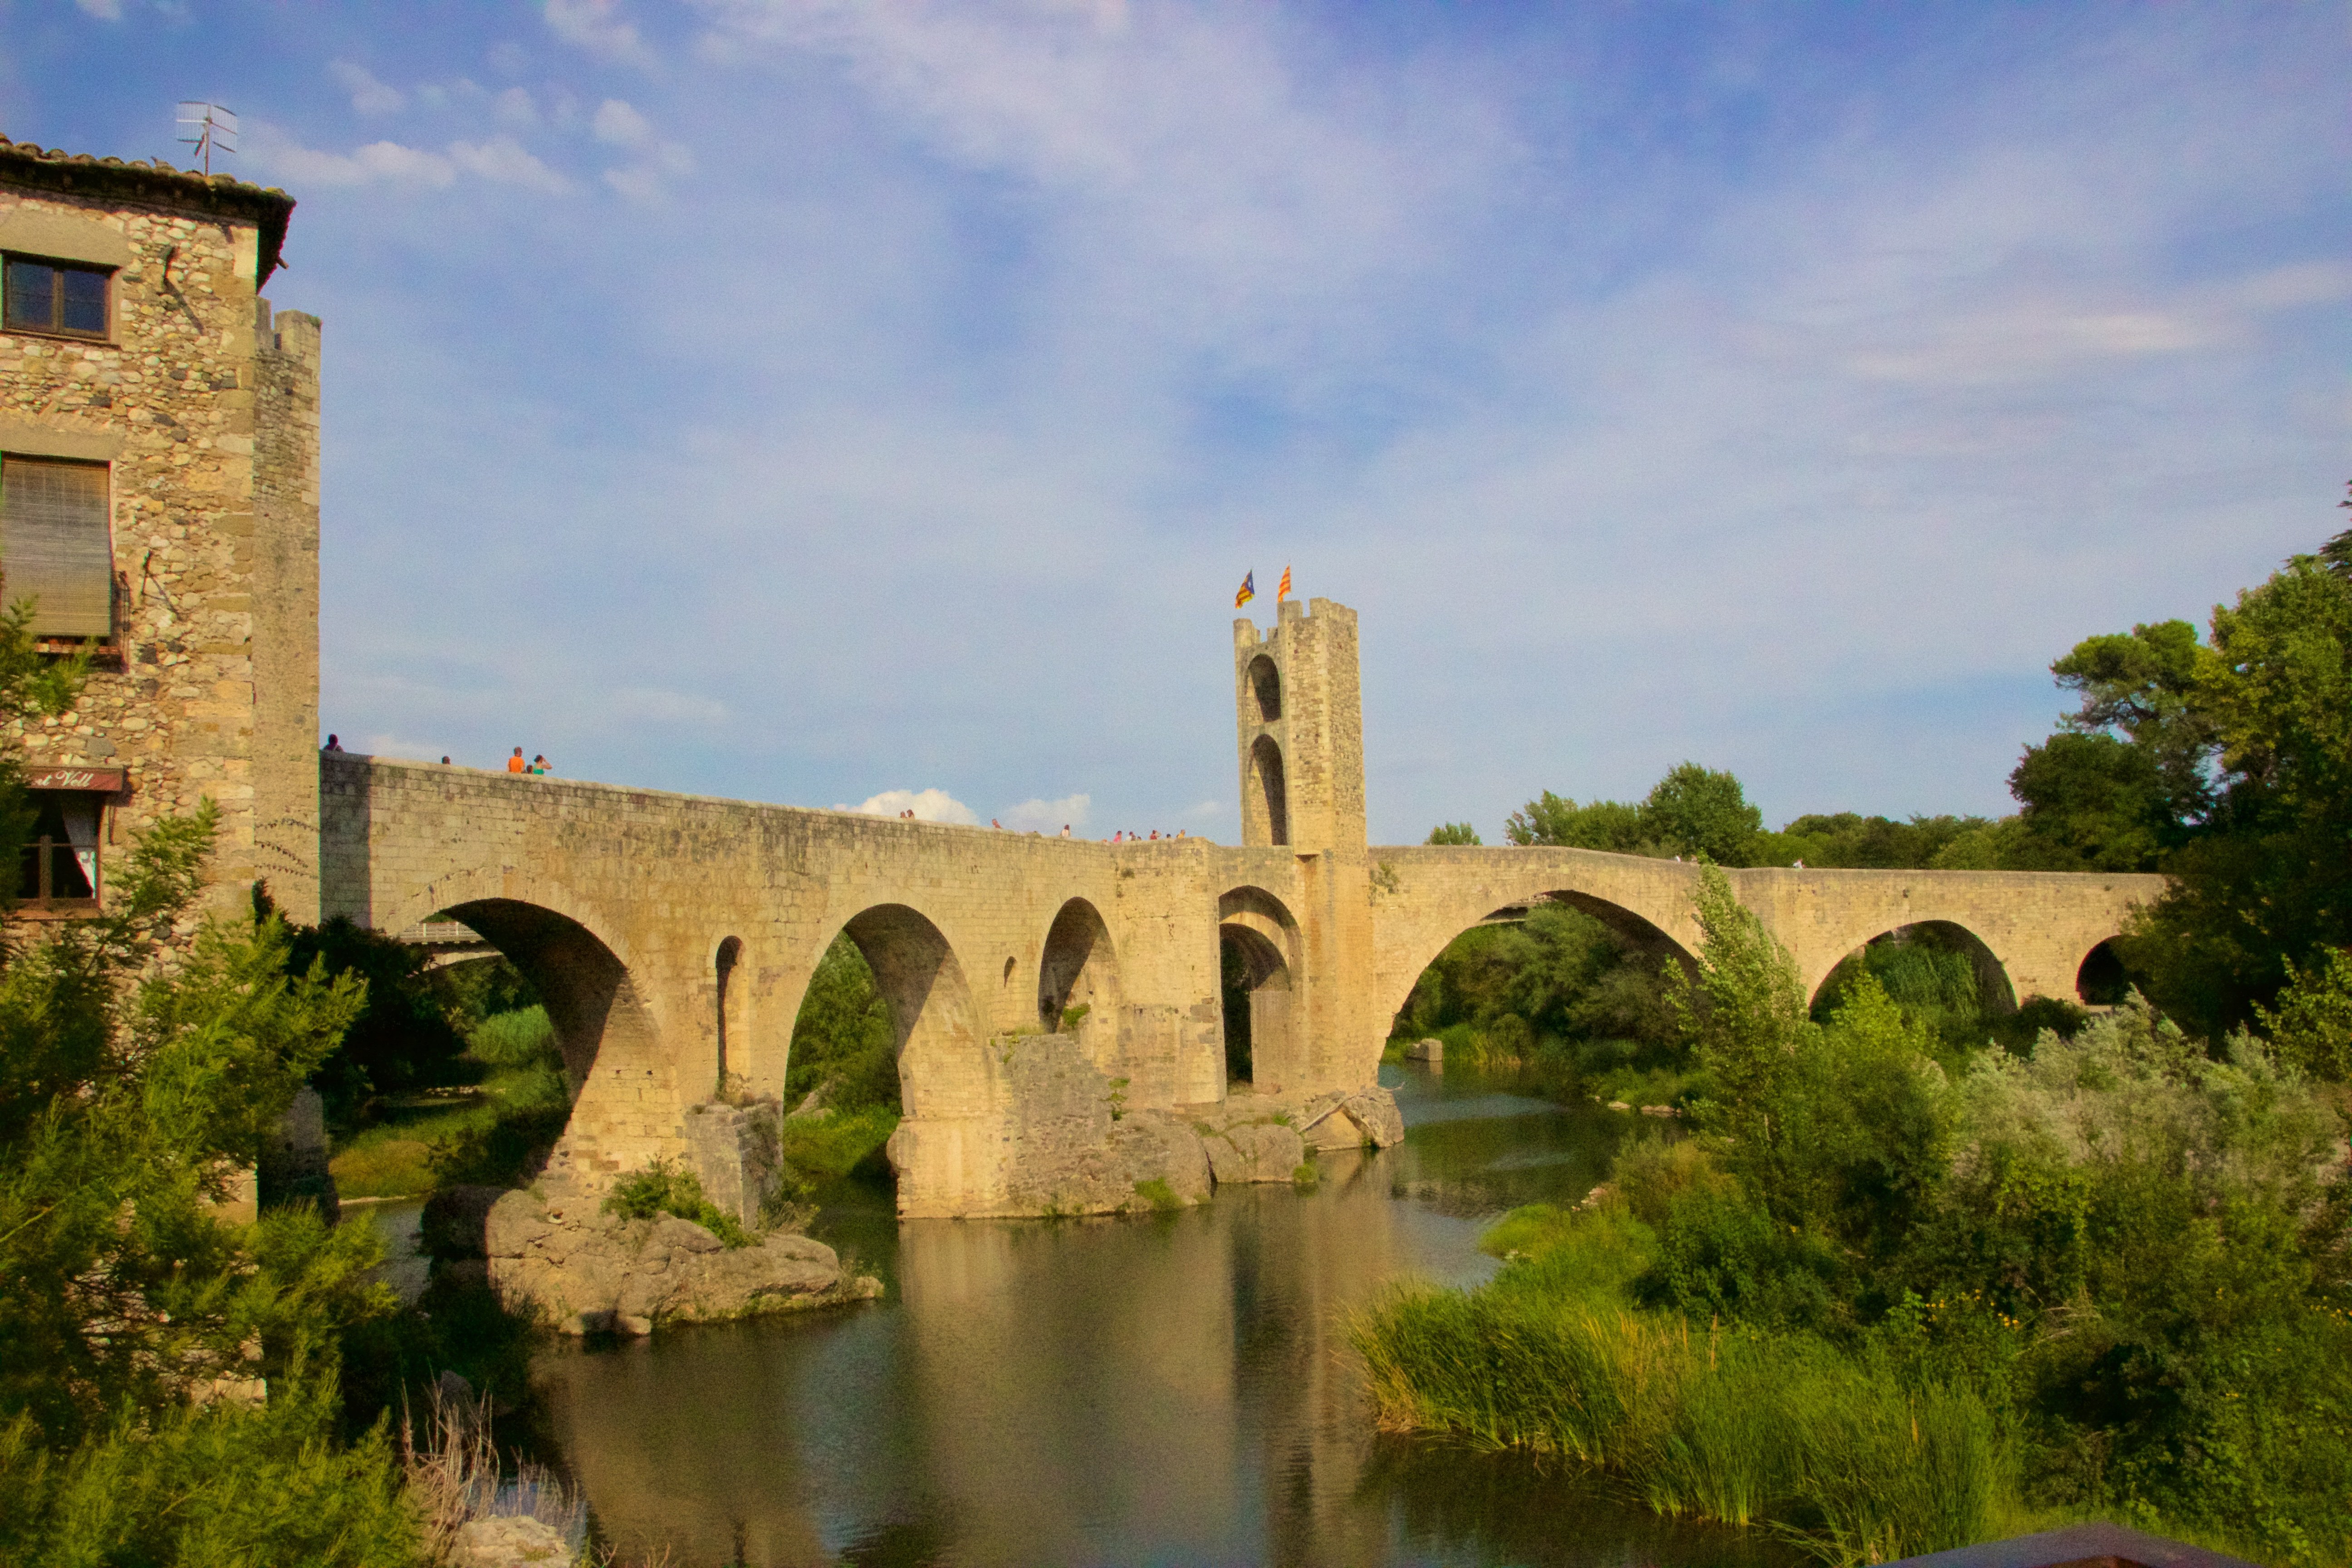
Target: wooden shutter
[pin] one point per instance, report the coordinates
(54, 545)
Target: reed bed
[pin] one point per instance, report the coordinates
(1728, 1424)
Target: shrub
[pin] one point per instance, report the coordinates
(663, 1188)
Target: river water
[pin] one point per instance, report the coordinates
(1164, 1389)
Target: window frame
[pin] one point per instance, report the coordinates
(106, 786)
(60, 264)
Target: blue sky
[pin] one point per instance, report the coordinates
(806, 401)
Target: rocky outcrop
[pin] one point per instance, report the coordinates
(1355, 1119)
(555, 1249)
(1255, 1152)
(1075, 1147)
(508, 1542)
(1430, 1051)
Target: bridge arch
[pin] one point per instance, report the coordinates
(1426, 897)
(728, 1005)
(2101, 979)
(947, 1149)
(625, 1108)
(1634, 932)
(1260, 959)
(1994, 991)
(1079, 968)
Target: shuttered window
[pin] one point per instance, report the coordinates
(54, 545)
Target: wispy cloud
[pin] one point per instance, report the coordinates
(369, 96)
(600, 26)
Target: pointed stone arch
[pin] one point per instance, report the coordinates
(944, 1150)
(1995, 991)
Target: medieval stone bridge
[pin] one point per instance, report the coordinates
(673, 936)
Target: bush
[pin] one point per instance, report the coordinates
(523, 1037)
(663, 1188)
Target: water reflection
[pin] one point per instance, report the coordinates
(1155, 1390)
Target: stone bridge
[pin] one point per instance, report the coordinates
(673, 936)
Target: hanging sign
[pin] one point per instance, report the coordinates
(108, 780)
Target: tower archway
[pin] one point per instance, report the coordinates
(1265, 690)
(1266, 799)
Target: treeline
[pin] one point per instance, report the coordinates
(2223, 761)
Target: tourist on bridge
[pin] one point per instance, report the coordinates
(515, 764)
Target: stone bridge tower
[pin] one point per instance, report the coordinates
(1300, 736)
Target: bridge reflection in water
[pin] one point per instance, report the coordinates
(1163, 1390)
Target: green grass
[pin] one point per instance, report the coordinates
(1159, 1194)
(835, 1144)
(485, 1133)
(1736, 1425)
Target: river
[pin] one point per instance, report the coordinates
(1162, 1389)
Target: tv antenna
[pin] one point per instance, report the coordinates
(215, 128)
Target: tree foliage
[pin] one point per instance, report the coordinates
(145, 1056)
(1452, 833)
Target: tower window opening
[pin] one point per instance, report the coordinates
(1265, 686)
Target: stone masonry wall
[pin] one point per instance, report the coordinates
(176, 404)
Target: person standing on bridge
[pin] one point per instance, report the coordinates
(515, 764)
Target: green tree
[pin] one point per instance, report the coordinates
(843, 1042)
(140, 1070)
(1550, 819)
(2266, 881)
(1699, 811)
(1452, 833)
(2093, 803)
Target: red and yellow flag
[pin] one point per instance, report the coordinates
(1249, 590)
(1284, 592)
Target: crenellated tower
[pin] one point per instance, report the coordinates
(1300, 739)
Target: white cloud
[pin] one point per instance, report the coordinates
(369, 96)
(104, 10)
(928, 806)
(598, 26)
(504, 161)
(387, 162)
(515, 107)
(501, 160)
(1050, 816)
(618, 124)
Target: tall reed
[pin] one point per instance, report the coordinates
(1728, 1424)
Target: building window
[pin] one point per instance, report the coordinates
(61, 856)
(56, 547)
(55, 297)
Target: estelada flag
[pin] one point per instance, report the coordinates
(1284, 592)
(1249, 590)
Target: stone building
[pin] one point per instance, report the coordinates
(158, 501)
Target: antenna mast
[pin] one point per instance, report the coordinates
(214, 127)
